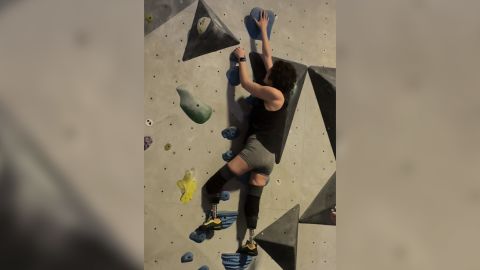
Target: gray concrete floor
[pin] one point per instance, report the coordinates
(303, 32)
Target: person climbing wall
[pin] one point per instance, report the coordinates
(266, 123)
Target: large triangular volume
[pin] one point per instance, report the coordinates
(207, 34)
(259, 73)
(157, 12)
(279, 239)
(324, 83)
(319, 210)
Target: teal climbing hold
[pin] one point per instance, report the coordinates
(196, 110)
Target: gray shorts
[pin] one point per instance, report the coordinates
(258, 158)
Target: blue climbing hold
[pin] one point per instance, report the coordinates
(187, 257)
(204, 268)
(224, 195)
(231, 133)
(227, 156)
(198, 236)
(252, 27)
(227, 217)
(236, 261)
(233, 76)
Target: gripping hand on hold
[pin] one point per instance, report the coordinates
(239, 52)
(263, 22)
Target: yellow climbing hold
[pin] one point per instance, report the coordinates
(187, 186)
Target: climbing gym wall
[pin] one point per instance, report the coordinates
(297, 198)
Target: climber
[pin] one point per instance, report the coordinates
(266, 126)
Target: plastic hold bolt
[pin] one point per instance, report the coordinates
(195, 109)
(227, 156)
(231, 133)
(187, 257)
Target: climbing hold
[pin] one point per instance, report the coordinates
(227, 217)
(206, 37)
(227, 156)
(236, 261)
(149, 18)
(230, 133)
(280, 239)
(252, 27)
(167, 147)
(198, 236)
(319, 211)
(147, 141)
(187, 186)
(224, 195)
(149, 122)
(198, 111)
(324, 84)
(203, 24)
(163, 10)
(204, 268)
(233, 76)
(187, 257)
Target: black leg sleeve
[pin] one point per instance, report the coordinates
(252, 205)
(215, 184)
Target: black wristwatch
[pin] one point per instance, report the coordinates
(242, 59)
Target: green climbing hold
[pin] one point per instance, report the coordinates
(149, 18)
(167, 147)
(198, 111)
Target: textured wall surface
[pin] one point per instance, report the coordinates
(304, 31)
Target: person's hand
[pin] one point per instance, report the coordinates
(239, 52)
(263, 22)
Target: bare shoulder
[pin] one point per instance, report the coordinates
(276, 99)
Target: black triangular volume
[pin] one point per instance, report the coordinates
(259, 73)
(319, 211)
(280, 239)
(217, 36)
(324, 83)
(158, 12)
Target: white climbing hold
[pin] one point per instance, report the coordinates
(203, 24)
(149, 122)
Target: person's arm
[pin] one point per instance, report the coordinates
(266, 50)
(265, 93)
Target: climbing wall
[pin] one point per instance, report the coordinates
(304, 32)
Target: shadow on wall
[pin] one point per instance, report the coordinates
(35, 200)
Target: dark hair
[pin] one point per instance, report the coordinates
(283, 77)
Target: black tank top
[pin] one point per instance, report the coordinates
(268, 125)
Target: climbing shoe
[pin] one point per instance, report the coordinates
(250, 248)
(211, 224)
